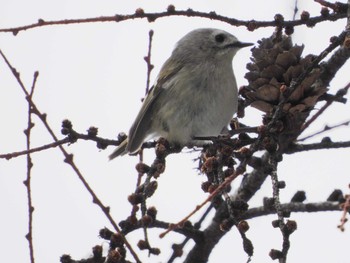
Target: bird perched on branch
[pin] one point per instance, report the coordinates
(195, 94)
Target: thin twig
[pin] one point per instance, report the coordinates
(275, 188)
(278, 208)
(197, 226)
(296, 9)
(27, 182)
(326, 144)
(8, 156)
(68, 157)
(346, 208)
(325, 129)
(151, 17)
(293, 207)
(150, 66)
(218, 190)
(324, 107)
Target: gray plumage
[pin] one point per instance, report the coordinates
(195, 93)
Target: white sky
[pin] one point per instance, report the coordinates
(94, 75)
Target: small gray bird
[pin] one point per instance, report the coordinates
(195, 93)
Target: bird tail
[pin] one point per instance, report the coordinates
(121, 150)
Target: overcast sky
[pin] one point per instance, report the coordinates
(94, 75)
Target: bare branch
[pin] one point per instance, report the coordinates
(151, 17)
(340, 94)
(27, 182)
(68, 157)
(147, 58)
(325, 129)
(292, 207)
(325, 144)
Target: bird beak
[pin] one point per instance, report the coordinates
(242, 44)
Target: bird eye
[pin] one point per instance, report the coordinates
(220, 38)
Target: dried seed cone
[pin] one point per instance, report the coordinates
(275, 65)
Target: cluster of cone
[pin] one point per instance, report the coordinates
(275, 66)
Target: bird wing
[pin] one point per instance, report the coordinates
(143, 122)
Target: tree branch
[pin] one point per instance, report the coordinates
(292, 207)
(325, 144)
(151, 17)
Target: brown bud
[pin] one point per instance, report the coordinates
(154, 251)
(142, 168)
(146, 220)
(226, 225)
(324, 11)
(121, 136)
(346, 42)
(333, 39)
(227, 150)
(160, 167)
(275, 223)
(335, 196)
(251, 26)
(97, 252)
(139, 12)
(105, 233)
(135, 198)
(243, 226)
(152, 212)
(326, 140)
(283, 88)
(288, 30)
(275, 254)
(142, 244)
(281, 184)
(278, 18)
(92, 132)
(187, 224)
(116, 240)
(291, 226)
(205, 186)
(299, 197)
(177, 250)
(209, 165)
(170, 8)
(67, 124)
(66, 259)
(305, 16)
(132, 220)
(114, 256)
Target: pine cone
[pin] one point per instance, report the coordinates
(274, 66)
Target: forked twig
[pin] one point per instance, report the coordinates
(68, 157)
